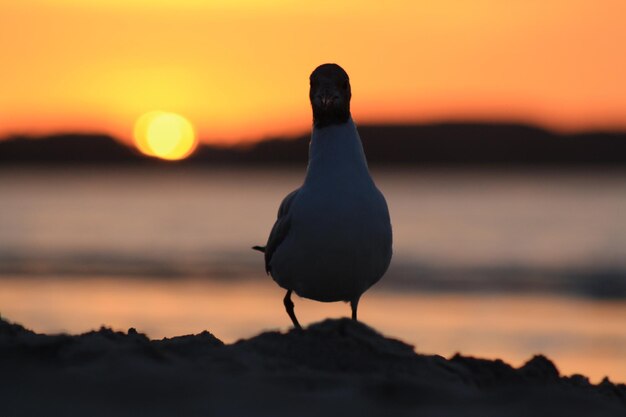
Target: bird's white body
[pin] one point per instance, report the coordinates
(338, 242)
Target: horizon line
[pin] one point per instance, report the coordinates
(251, 141)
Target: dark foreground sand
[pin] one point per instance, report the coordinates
(333, 368)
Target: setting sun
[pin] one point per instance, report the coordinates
(165, 135)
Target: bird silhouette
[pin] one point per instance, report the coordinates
(332, 239)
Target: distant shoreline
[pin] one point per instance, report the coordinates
(446, 144)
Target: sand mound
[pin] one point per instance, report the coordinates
(332, 368)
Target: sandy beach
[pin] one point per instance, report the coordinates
(332, 368)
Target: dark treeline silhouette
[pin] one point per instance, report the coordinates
(449, 144)
(65, 149)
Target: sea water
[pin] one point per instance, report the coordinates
(492, 263)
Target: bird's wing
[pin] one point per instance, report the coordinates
(280, 229)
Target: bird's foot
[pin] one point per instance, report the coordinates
(289, 307)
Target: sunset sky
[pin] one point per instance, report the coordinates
(238, 70)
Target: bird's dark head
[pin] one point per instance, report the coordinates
(330, 95)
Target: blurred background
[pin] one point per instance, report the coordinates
(145, 147)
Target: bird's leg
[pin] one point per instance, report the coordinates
(354, 304)
(289, 307)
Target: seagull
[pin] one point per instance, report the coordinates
(332, 239)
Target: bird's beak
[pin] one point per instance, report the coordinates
(326, 100)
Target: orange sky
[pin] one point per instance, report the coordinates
(239, 69)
